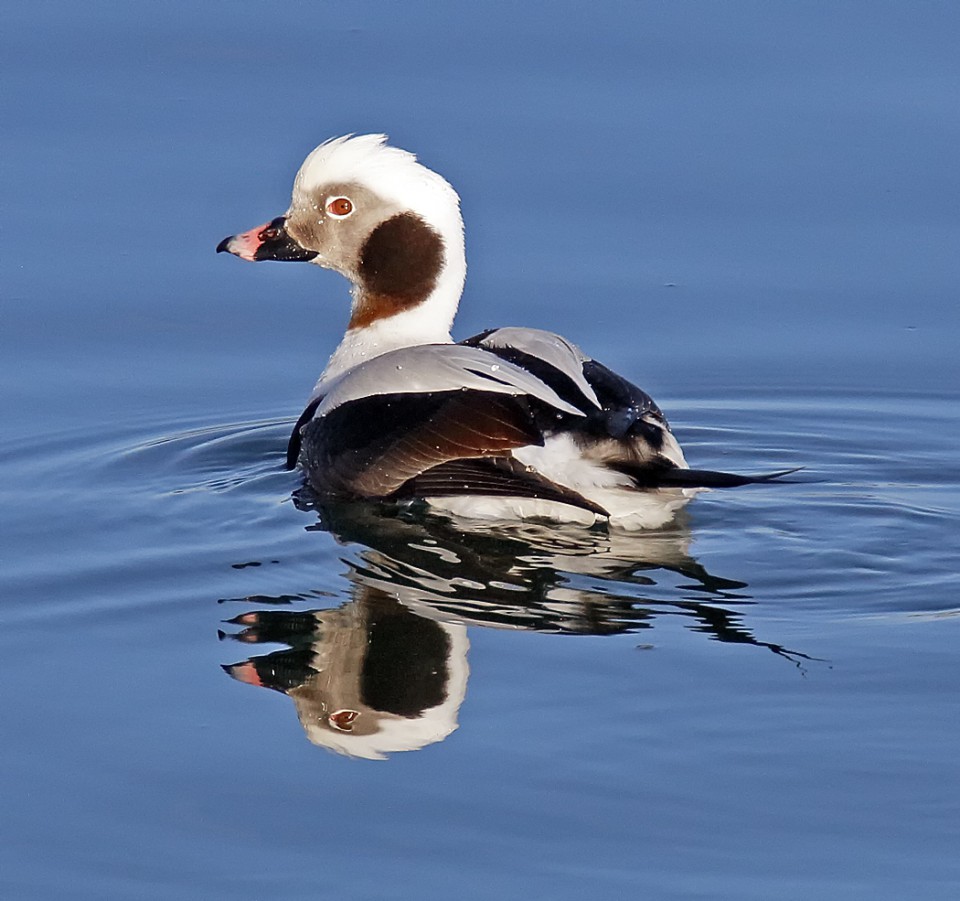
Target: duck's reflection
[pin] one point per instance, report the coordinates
(367, 678)
(387, 671)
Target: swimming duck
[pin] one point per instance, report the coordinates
(511, 423)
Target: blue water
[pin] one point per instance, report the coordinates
(749, 209)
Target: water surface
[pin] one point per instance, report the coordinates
(748, 210)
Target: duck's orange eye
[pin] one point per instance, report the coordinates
(339, 207)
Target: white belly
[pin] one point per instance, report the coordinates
(561, 461)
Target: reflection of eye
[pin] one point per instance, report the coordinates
(343, 719)
(339, 207)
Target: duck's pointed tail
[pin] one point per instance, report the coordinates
(708, 478)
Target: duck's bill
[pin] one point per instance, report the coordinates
(269, 241)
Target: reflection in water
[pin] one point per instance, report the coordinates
(366, 678)
(387, 671)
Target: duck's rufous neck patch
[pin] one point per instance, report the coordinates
(399, 266)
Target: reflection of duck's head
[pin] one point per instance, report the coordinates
(367, 678)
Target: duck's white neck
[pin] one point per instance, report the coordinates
(429, 322)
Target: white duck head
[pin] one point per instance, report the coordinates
(387, 223)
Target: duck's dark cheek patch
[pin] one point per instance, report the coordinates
(401, 261)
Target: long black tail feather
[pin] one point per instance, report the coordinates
(707, 478)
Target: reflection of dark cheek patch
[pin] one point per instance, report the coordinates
(399, 265)
(405, 666)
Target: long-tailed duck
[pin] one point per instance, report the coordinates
(513, 422)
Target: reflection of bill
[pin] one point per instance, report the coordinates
(388, 670)
(367, 678)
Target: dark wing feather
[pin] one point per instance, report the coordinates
(371, 447)
(293, 445)
(492, 477)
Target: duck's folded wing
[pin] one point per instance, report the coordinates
(423, 372)
(372, 446)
